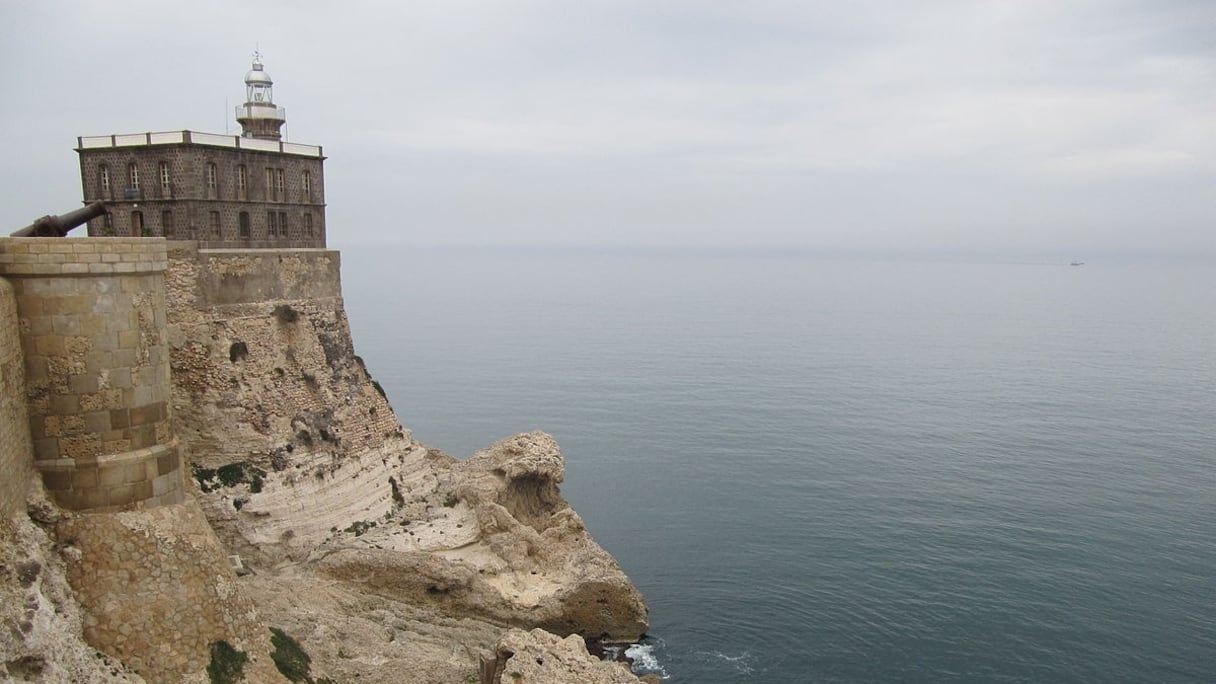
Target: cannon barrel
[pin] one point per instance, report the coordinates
(58, 226)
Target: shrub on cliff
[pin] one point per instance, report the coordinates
(289, 657)
(227, 664)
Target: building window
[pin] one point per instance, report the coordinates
(280, 187)
(307, 182)
(133, 176)
(283, 224)
(269, 184)
(104, 173)
(137, 223)
(272, 226)
(244, 225)
(308, 225)
(164, 179)
(211, 180)
(242, 182)
(166, 222)
(107, 224)
(215, 224)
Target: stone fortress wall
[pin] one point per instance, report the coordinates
(85, 400)
(92, 317)
(15, 466)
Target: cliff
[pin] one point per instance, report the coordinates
(299, 481)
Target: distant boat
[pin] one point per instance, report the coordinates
(1076, 263)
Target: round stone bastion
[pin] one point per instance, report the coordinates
(91, 314)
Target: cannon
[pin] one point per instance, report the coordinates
(58, 226)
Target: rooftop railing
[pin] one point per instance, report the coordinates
(91, 142)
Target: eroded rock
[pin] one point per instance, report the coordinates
(539, 657)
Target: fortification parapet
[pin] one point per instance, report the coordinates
(92, 318)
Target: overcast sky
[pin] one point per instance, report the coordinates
(1053, 126)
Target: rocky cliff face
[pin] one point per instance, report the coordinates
(304, 471)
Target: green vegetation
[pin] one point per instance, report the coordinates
(289, 657)
(227, 664)
(360, 526)
(231, 475)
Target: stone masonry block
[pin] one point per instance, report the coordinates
(143, 415)
(110, 476)
(57, 480)
(134, 472)
(97, 422)
(82, 384)
(84, 478)
(142, 490)
(167, 464)
(128, 339)
(120, 418)
(121, 496)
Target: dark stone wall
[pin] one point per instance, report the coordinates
(188, 206)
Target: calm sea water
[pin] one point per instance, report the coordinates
(846, 471)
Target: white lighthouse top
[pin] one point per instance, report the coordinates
(258, 83)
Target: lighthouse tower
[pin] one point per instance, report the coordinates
(259, 117)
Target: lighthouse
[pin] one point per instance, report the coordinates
(259, 116)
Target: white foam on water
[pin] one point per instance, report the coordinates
(645, 660)
(739, 663)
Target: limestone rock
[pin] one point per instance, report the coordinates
(42, 636)
(503, 545)
(539, 657)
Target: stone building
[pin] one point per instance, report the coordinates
(249, 191)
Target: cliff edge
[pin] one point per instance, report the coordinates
(306, 473)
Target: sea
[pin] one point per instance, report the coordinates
(844, 468)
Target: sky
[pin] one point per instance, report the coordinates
(1069, 127)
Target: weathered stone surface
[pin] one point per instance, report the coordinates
(539, 657)
(40, 621)
(157, 591)
(495, 539)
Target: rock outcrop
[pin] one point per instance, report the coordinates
(492, 537)
(539, 657)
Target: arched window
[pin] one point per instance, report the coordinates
(211, 181)
(133, 176)
(308, 225)
(242, 182)
(307, 183)
(103, 174)
(164, 179)
(137, 223)
(166, 223)
(215, 224)
(243, 225)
